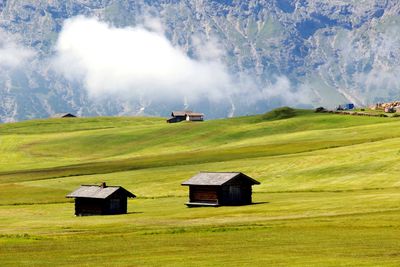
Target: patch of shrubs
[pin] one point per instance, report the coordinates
(279, 114)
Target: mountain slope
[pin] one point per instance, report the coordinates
(327, 51)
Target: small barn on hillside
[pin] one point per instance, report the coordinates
(220, 188)
(63, 115)
(194, 116)
(178, 116)
(100, 200)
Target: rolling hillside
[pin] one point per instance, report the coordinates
(329, 193)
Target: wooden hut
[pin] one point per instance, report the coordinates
(100, 200)
(64, 115)
(220, 188)
(194, 116)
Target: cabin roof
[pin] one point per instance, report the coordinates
(216, 178)
(61, 115)
(178, 113)
(187, 112)
(95, 191)
(195, 114)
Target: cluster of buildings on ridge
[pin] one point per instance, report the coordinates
(211, 189)
(389, 107)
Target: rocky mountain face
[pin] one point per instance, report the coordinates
(319, 52)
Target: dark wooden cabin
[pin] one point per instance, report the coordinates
(219, 189)
(100, 200)
(178, 116)
(64, 115)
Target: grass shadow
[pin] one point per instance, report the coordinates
(260, 202)
(135, 212)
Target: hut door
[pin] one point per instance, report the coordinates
(235, 193)
(115, 204)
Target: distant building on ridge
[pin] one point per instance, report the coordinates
(348, 106)
(64, 115)
(178, 116)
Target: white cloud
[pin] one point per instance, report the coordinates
(12, 54)
(209, 49)
(286, 92)
(153, 24)
(141, 62)
(133, 60)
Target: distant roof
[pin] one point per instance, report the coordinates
(62, 115)
(216, 178)
(95, 191)
(178, 113)
(187, 112)
(195, 114)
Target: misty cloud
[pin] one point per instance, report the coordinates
(386, 63)
(141, 62)
(370, 64)
(133, 60)
(13, 54)
(283, 89)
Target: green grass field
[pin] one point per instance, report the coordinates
(329, 193)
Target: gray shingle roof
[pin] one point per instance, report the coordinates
(216, 178)
(195, 114)
(95, 191)
(178, 113)
(187, 112)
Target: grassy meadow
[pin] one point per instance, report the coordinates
(329, 193)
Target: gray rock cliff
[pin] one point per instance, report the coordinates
(336, 51)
